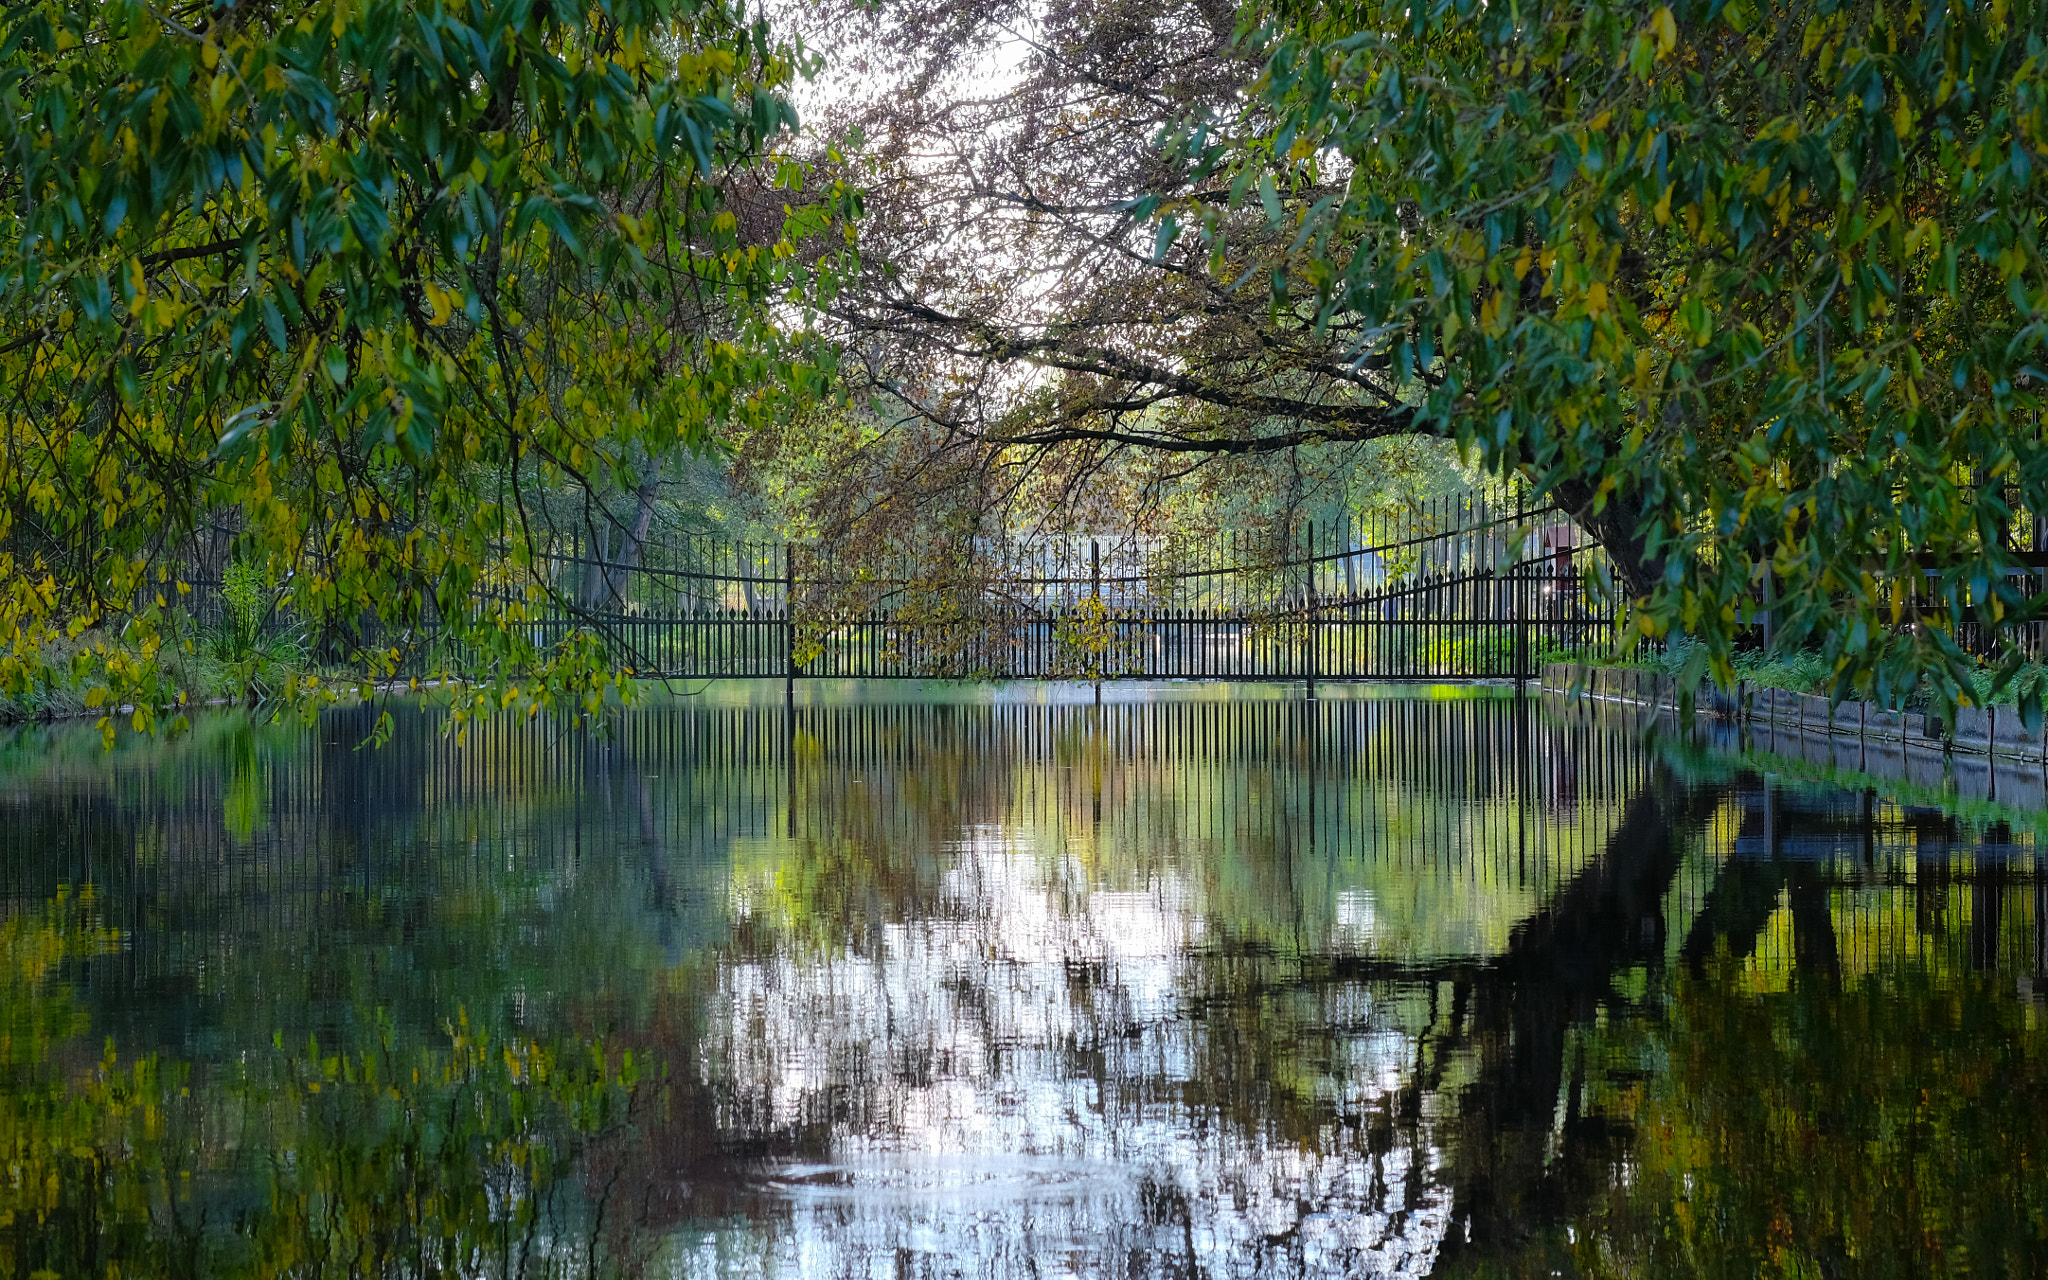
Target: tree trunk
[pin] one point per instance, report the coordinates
(604, 578)
(636, 537)
(596, 588)
(1614, 527)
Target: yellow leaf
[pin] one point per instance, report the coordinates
(439, 303)
(138, 284)
(1667, 31)
(1663, 210)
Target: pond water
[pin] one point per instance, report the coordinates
(1200, 981)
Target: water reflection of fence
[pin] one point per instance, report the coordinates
(1467, 814)
(1473, 789)
(1445, 783)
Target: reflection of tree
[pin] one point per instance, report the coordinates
(517, 874)
(1834, 1082)
(1887, 1127)
(1490, 1041)
(1144, 934)
(1747, 894)
(1511, 1016)
(470, 1156)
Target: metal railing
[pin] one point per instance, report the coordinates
(1458, 588)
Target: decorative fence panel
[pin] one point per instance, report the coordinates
(1452, 589)
(1455, 589)
(694, 607)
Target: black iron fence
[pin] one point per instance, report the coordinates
(1457, 588)
(1462, 587)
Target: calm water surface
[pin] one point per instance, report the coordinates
(1207, 983)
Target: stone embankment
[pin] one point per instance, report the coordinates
(1987, 752)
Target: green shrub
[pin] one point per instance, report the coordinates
(243, 592)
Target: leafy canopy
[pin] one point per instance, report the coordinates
(1766, 276)
(361, 278)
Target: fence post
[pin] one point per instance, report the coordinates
(1518, 590)
(1101, 614)
(1315, 613)
(788, 625)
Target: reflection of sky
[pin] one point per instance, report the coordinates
(1020, 1077)
(1356, 927)
(1035, 1005)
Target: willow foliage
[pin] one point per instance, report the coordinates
(362, 278)
(1768, 276)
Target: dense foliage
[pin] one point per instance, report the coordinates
(1757, 286)
(409, 298)
(361, 282)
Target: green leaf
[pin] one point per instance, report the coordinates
(1163, 241)
(273, 324)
